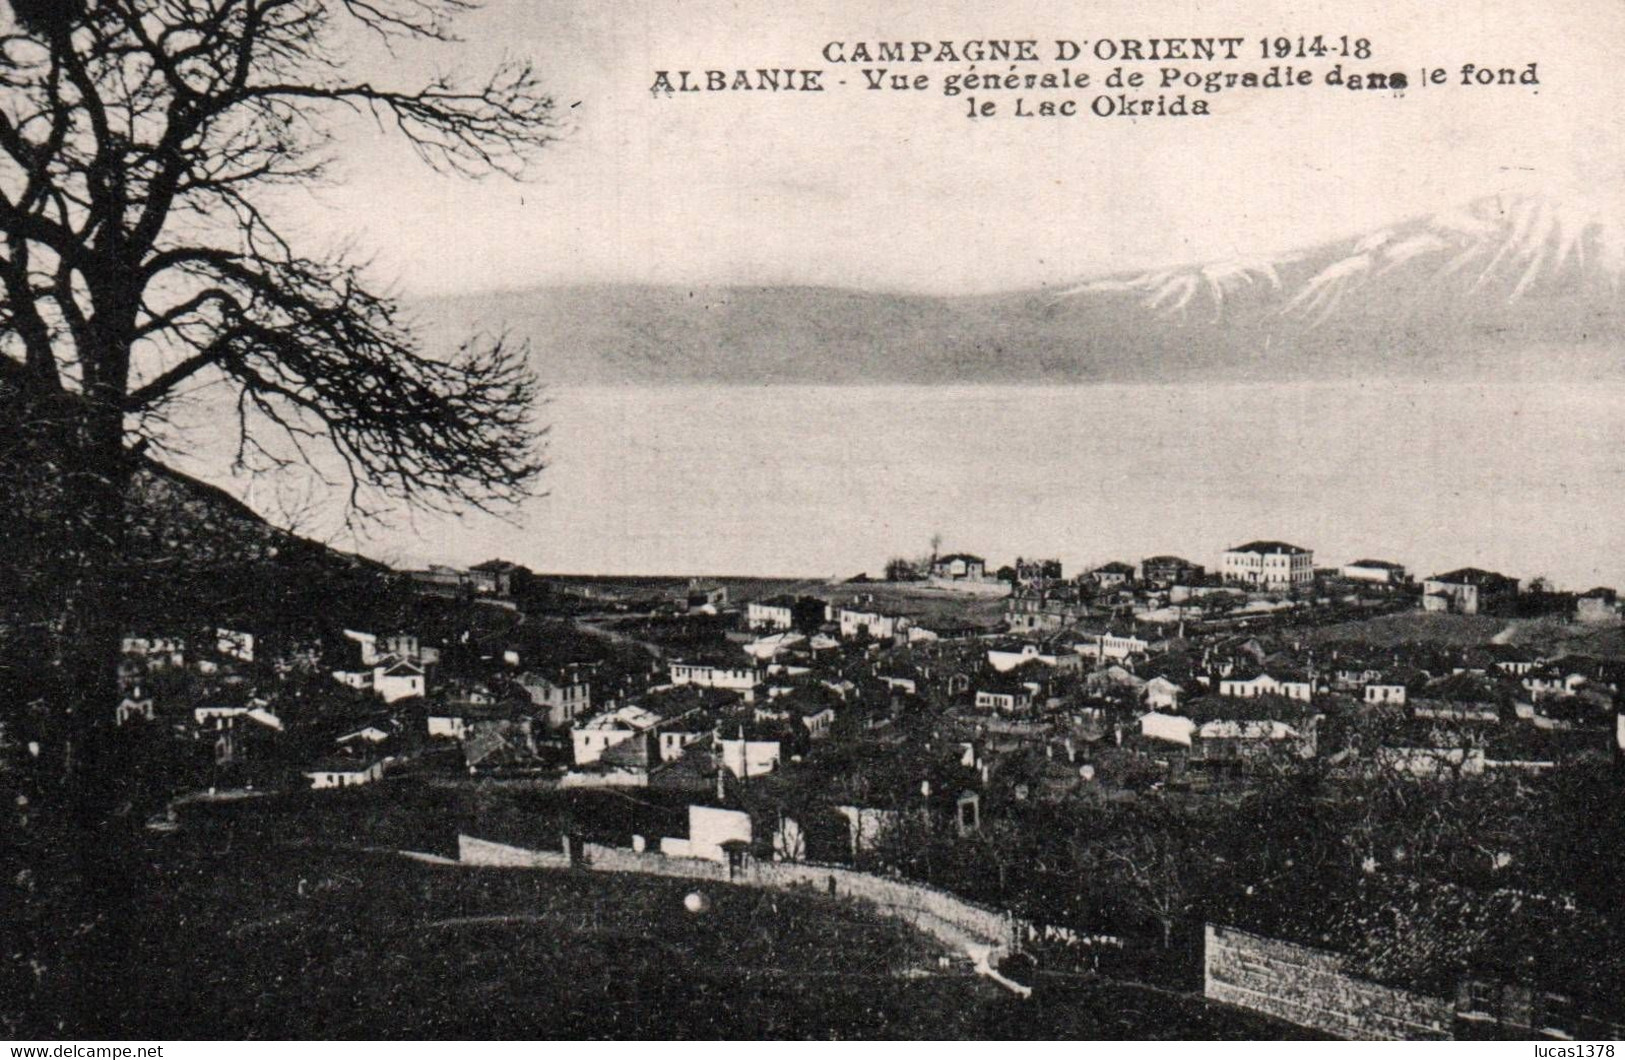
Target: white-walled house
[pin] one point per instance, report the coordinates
(1552, 681)
(749, 758)
(960, 566)
(1384, 692)
(1468, 591)
(710, 830)
(877, 624)
(1112, 575)
(1109, 645)
(591, 738)
(1004, 700)
(234, 644)
(675, 742)
(818, 722)
(409, 646)
(563, 697)
(1268, 565)
(345, 773)
(1161, 693)
(1230, 739)
(1008, 657)
(1267, 684)
(1169, 728)
(777, 612)
(703, 675)
(398, 680)
(360, 680)
(448, 723)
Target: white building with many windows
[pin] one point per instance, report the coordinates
(1268, 565)
(705, 675)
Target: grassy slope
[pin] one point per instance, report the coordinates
(336, 945)
(1414, 627)
(917, 599)
(924, 603)
(1544, 634)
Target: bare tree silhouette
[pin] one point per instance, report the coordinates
(140, 144)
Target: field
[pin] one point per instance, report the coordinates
(1541, 634)
(306, 944)
(923, 603)
(1413, 627)
(917, 599)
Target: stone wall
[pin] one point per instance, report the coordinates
(984, 933)
(618, 859)
(1310, 988)
(471, 851)
(927, 907)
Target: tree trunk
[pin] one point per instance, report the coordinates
(94, 622)
(94, 761)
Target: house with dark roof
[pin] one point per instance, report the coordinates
(704, 598)
(492, 745)
(1511, 658)
(498, 577)
(1599, 605)
(1037, 572)
(1112, 575)
(560, 697)
(397, 679)
(1004, 694)
(1374, 571)
(1032, 611)
(1468, 591)
(1165, 571)
(959, 566)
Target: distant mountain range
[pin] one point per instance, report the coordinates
(1507, 288)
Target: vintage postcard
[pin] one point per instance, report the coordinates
(544, 519)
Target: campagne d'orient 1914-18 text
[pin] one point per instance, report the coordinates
(989, 77)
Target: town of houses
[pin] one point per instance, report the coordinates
(953, 689)
(1203, 671)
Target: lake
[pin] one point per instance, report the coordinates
(821, 481)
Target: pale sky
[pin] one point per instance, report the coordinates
(900, 191)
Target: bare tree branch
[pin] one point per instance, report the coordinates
(135, 143)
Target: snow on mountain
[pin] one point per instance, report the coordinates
(1499, 249)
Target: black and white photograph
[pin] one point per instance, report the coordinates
(551, 520)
